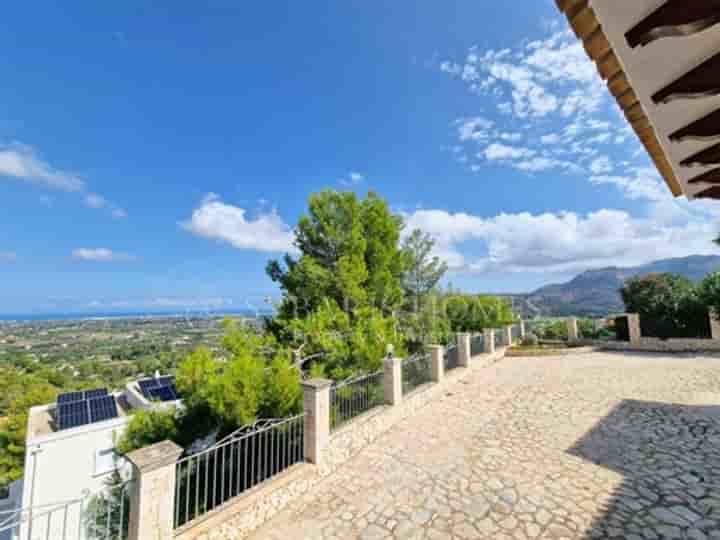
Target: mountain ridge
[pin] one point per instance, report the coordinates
(596, 292)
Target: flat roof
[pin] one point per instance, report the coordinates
(42, 420)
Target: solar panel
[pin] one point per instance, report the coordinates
(162, 393)
(161, 388)
(146, 385)
(70, 397)
(97, 392)
(102, 408)
(73, 414)
(166, 381)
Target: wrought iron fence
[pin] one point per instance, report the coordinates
(107, 514)
(450, 359)
(102, 516)
(415, 372)
(477, 344)
(212, 477)
(354, 397)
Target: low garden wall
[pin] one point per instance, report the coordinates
(240, 517)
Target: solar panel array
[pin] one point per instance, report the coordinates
(159, 389)
(76, 409)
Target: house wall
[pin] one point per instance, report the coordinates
(60, 473)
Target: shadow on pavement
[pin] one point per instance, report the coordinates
(669, 455)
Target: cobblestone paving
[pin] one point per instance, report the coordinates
(581, 447)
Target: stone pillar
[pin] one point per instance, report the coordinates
(633, 320)
(437, 363)
(463, 349)
(316, 404)
(489, 340)
(392, 380)
(152, 505)
(572, 328)
(507, 336)
(522, 329)
(714, 324)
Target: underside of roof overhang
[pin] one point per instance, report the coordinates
(661, 62)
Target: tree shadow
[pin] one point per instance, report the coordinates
(669, 455)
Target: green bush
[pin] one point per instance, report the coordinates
(669, 305)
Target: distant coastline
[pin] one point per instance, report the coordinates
(100, 316)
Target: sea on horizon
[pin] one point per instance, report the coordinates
(86, 316)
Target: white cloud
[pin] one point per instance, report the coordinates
(352, 179)
(552, 138)
(539, 164)
(216, 220)
(8, 256)
(559, 242)
(21, 162)
(497, 151)
(100, 255)
(119, 213)
(93, 200)
(548, 94)
(474, 129)
(601, 165)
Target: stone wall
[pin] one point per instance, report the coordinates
(239, 517)
(648, 344)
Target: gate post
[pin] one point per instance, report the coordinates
(152, 496)
(437, 362)
(463, 349)
(316, 404)
(572, 328)
(489, 340)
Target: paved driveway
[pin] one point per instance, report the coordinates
(586, 446)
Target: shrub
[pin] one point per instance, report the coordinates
(146, 428)
(668, 304)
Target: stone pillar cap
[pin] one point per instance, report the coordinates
(155, 456)
(317, 384)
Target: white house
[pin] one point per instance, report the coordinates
(65, 467)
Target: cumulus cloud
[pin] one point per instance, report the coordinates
(100, 255)
(559, 242)
(21, 162)
(227, 223)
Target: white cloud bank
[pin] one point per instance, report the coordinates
(220, 221)
(559, 242)
(101, 255)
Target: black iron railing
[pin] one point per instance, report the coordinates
(212, 477)
(354, 397)
(415, 372)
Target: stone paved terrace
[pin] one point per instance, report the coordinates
(593, 445)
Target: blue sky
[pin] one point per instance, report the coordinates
(156, 155)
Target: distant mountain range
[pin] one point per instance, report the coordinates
(596, 292)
